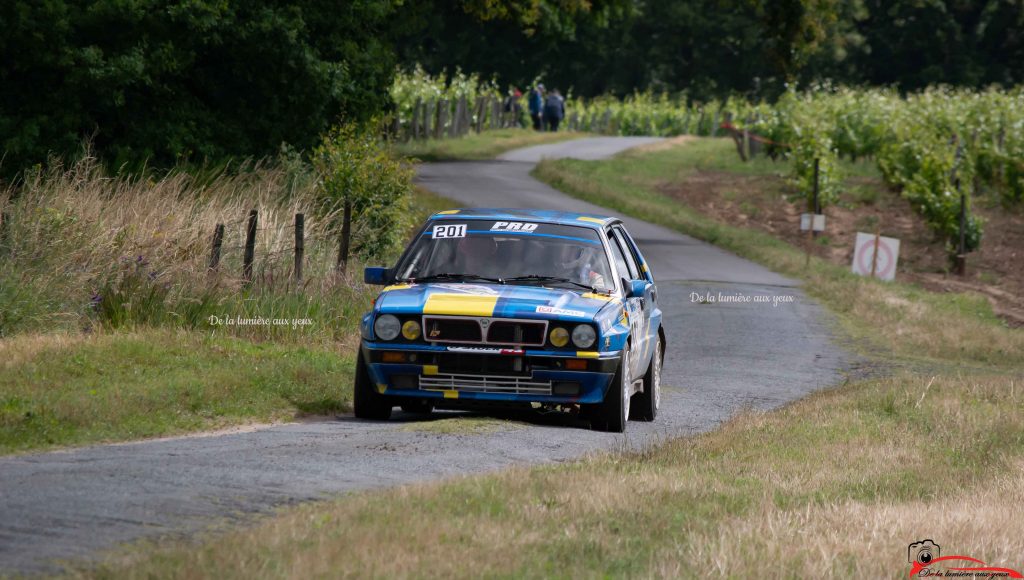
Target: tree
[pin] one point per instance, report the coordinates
(160, 81)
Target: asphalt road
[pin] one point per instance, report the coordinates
(722, 357)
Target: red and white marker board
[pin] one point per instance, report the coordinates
(864, 255)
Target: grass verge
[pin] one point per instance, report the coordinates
(485, 145)
(58, 391)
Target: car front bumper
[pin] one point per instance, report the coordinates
(489, 374)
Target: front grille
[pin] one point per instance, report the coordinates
(452, 330)
(480, 364)
(516, 332)
(483, 330)
(485, 384)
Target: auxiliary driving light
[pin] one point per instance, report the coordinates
(411, 330)
(387, 327)
(583, 336)
(559, 336)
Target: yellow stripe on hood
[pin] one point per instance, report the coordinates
(460, 304)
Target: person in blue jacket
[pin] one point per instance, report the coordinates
(554, 110)
(537, 106)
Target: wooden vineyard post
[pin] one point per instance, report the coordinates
(874, 253)
(416, 120)
(346, 234)
(300, 245)
(218, 242)
(250, 247)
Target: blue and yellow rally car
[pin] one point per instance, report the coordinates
(500, 307)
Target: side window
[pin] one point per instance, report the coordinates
(621, 266)
(634, 269)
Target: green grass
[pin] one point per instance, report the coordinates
(58, 391)
(486, 145)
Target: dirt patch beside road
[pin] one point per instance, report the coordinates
(763, 202)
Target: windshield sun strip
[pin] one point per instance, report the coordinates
(540, 235)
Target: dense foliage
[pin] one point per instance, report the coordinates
(924, 143)
(160, 81)
(715, 48)
(163, 81)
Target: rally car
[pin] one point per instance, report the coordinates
(504, 307)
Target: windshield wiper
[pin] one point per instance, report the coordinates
(539, 278)
(453, 276)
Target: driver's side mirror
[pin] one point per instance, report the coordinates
(635, 288)
(377, 275)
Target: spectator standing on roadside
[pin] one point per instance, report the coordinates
(554, 110)
(537, 105)
(513, 108)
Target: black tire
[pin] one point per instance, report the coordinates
(645, 405)
(367, 403)
(418, 407)
(611, 414)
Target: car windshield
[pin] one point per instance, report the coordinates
(510, 252)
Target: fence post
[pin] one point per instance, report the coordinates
(416, 119)
(250, 247)
(442, 117)
(346, 234)
(467, 117)
(5, 219)
(218, 241)
(300, 245)
(961, 253)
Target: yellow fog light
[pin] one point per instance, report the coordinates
(411, 329)
(559, 336)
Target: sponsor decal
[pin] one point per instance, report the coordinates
(449, 231)
(513, 227)
(926, 561)
(560, 311)
(484, 350)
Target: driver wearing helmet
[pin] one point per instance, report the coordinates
(578, 263)
(476, 255)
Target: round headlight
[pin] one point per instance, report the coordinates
(559, 336)
(387, 327)
(411, 330)
(583, 336)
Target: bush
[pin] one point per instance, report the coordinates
(363, 191)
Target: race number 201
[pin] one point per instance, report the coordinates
(449, 231)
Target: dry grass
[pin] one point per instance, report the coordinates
(838, 484)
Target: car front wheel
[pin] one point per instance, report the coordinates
(645, 405)
(367, 403)
(611, 414)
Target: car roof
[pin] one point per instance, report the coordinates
(589, 220)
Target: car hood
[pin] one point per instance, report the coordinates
(491, 300)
